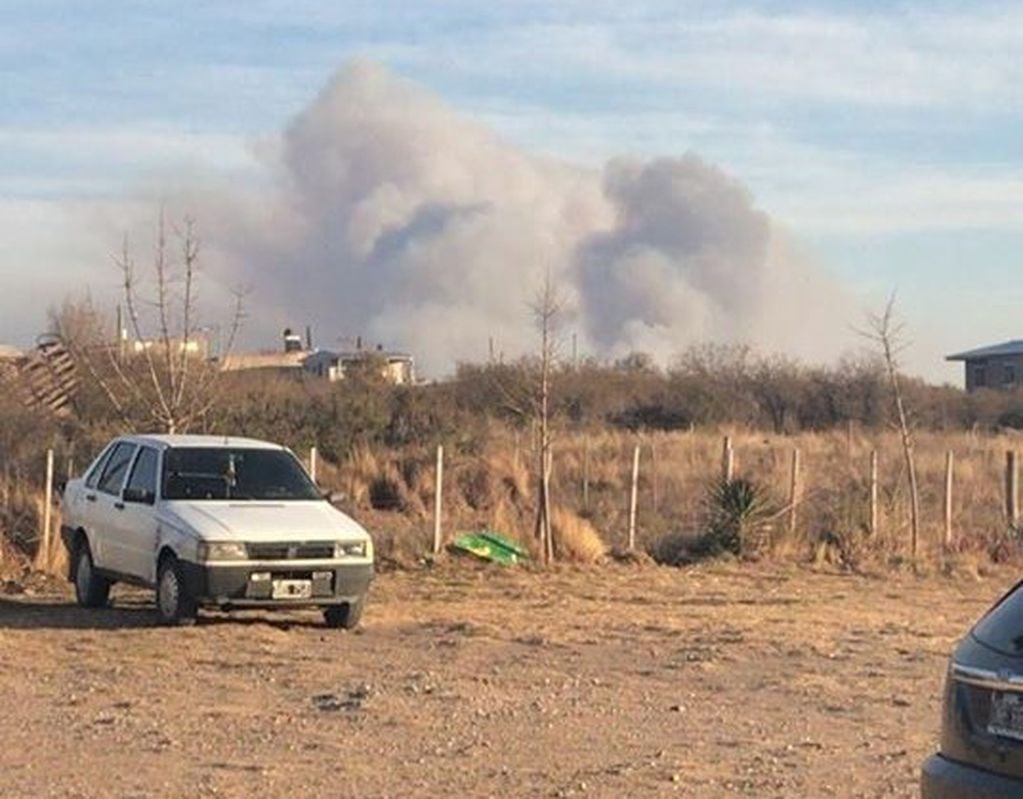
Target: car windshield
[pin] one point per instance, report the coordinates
(228, 473)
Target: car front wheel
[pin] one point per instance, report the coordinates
(91, 589)
(345, 617)
(173, 603)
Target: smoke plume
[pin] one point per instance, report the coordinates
(393, 218)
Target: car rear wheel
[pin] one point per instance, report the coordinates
(91, 589)
(173, 603)
(344, 617)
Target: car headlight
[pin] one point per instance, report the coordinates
(350, 549)
(222, 550)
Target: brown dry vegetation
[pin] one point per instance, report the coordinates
(494, 489)
(377, 446)
(391, 489)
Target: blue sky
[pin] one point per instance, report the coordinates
(883, 137)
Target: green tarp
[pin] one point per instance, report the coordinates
(492, 546)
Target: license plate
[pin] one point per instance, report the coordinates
(1006, 717)
(292, 589)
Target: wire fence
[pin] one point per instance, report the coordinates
(632, 488)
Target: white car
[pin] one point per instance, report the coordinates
(209, 520)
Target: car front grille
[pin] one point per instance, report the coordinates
(302, 551)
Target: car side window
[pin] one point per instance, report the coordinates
(143, 473)
(115, 469)
(97, 469)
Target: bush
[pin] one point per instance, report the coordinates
(740, 515)
(676, 548)
(575, 538)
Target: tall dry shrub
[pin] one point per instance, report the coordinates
(577, 539)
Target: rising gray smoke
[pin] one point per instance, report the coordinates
(393, 218)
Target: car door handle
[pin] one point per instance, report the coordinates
(119, 505)
(90, 497)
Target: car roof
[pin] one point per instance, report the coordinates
(166, 440)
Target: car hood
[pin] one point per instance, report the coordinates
(213, 520)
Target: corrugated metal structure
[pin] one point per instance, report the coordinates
(43, 377)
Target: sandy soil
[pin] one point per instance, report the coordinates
(465, 681)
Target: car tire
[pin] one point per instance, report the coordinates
(174, 605)
(91, 589)
(344, 617)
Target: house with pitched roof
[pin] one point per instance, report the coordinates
(999, 366)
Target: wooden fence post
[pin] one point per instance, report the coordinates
(47, 508)
(873, 492)
(312, 463)
(1011, 488)
(586, 473)
(793, 490)
(633, 497)
(727, 459)
(653, 476)
(949, 466)
(437, 499)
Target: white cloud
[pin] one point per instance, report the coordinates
(902, 58)
(73, 161)
(884, 197)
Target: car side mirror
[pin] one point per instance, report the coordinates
(140, 496)
(334, 497)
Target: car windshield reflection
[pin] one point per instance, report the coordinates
(221, 473)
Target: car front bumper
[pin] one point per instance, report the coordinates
(251, 584)
(946, 779)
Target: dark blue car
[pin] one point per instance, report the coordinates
(981, 753)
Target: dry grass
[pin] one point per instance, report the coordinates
(21, 512)
(12, 560)
(494, 487)
(576, 538)
(21, 529)
(51, 557)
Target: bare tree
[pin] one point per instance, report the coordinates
(887, 331)
(547, 308)
(522, 390)
(165, 379)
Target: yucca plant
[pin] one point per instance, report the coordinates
(740, 513)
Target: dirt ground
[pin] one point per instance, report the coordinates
(468, 681)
